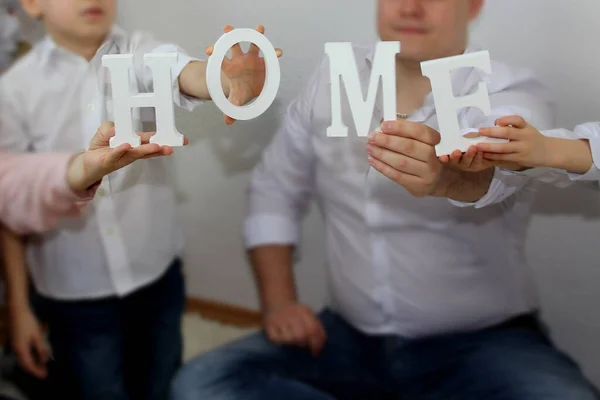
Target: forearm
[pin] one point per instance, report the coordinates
(192, 81)
(15, 272)
(274, 275)
(571, 155)
(467, 187)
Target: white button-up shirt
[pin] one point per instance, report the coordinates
(400, 264)
(9, 36)
(53, 100)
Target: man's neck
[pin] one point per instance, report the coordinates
(411, 86)
(83, 48)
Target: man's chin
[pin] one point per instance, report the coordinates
(412, 57)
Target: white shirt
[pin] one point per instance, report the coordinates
(10, 32)
(53, 100)
(399, 264)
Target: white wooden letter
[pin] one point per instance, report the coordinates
(162, 99)
(343, 66)
(272, 78)
(438, 72)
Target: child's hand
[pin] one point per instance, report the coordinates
(471, 161)
(28, 343)
(89, 167)
(244, 71)
(526, 147)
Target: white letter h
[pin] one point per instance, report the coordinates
(162, 99)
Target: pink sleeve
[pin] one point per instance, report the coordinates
(34, 194)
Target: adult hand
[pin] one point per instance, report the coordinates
(404, 151)
(295, 324)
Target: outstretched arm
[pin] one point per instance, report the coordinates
(37, 190)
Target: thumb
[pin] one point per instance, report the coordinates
(103, 135)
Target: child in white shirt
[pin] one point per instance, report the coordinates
(110, 282)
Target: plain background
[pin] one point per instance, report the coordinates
(556, 38)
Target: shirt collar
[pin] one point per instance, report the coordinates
(49, 49)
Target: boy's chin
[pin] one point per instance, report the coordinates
(95, 32)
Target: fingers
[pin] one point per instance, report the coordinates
(397, 161)
(26, 352)
(499, 148)
(209, 50)
(505, 132)
(393, 174)
(409, 147)
(412, 130)
(513, 120)
(445, 159)
(41, 349)
(296, 326)
(229, 120)
(103, 135)
(146, 150)
(316, 334)
(254, 48)
(274, 333)
(500, 157)
(236, 49)
(478, 158)
(464, 160)
(106, 127)
(283, 332)
(115, 155)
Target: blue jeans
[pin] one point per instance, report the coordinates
(512, 361)
(118, 348)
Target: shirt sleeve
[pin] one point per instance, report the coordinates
(282, 183)
(591, 132)
(142, 43)
(34, 194)
(525, 96)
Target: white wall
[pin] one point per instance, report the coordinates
(558, 41)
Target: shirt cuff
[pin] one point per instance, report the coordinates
(270, 229)
(489, 197)
(588, 131)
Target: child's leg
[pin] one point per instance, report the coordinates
(87, 346)
(153, 335)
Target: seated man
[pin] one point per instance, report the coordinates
(429, 300)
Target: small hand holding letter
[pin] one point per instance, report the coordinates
(244, 74)
(526, 147)
(89, 167)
